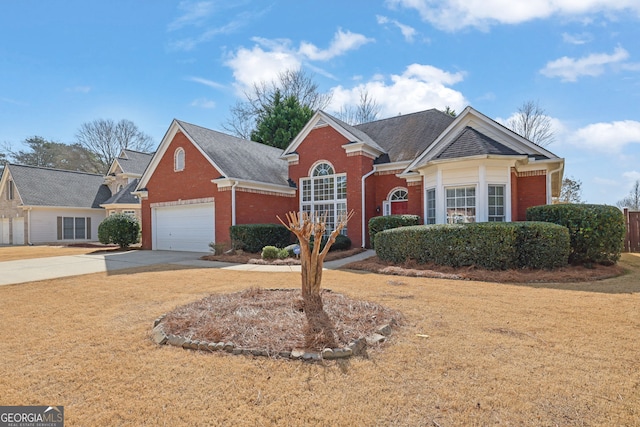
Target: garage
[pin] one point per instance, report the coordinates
(184, 228)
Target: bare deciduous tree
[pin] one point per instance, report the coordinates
(532, 122)
(289, 83)
(319, 327)
(571, 191)
(366, 111)
(106, 139)
(632, 201)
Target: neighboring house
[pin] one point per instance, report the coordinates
(444, 169)
(122, 178)
(43, 205)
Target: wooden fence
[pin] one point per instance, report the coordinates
(632, 240)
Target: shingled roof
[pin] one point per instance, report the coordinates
(470, 142)
(405, 137)
(134, 162)
(56, 187)
(239, 158)
(124, 196)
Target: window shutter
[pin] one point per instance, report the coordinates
(88, 228)
(59, 228)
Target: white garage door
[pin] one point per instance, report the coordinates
(184, 228)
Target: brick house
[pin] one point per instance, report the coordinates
(444, 169)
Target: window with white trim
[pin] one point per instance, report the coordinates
(130, 213)
(461, 204)
(325, 193)
(178, 160)
(74, 228)
(496, 203)
(431, 206)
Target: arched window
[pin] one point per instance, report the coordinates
(178, 160)
(325, 193)
(397, 202)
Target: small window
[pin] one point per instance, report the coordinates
(70, 228)
(431, 206)
(496, 203)
(130, 213)
(178, 160)
(323, 169)
(10, 190)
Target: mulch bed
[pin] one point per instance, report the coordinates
(570, 273)
(240, 318)
(248, 257)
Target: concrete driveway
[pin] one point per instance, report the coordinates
(29, 270)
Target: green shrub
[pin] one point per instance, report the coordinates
(121, 229)
(596, 231)
(254, 237)
(342, 243)
(270, 252)
(283, 253)
(490, 245)
(381, 223)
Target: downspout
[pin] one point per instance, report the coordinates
(29, 227)
(550, 191)
(233, 203)
(364, 214)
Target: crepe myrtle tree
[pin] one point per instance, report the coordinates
(310, 229)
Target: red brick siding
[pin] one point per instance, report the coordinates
(416, 200)
(254, 208)
(326, 143)
(194, 182)
(532, 191)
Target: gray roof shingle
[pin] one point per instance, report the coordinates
(405, 137)
(240, 158)
(470, 142)
(134, 162)
(124, 196)
(55, 187)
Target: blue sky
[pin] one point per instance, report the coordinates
(63, 63)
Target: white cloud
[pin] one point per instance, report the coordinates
(569, 69)
(451, 15)
(258, 65)
(194, 13)
(342, 42)
(407, 31)
(418, 88)
(632, 176)
(269, 57)
(206, 82)
(577, 39)
(190, 43)
(203, 103)
(609, 137)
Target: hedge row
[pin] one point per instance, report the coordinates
(381, 223)
(596, 231)
(254, 237)
(490, 245)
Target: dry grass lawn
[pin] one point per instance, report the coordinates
(13, 253)
(543, 354)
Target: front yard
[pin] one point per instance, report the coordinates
(471, 353)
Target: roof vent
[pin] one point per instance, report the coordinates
(321, 122)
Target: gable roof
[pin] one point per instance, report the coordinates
(470, 142)
(471, 134)
(124, 196)
(56, 187)
(235, 158)
(239, 158)
(133, 162)
(404, 137)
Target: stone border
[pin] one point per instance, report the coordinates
(355, 348)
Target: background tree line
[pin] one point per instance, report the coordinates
(97, 144)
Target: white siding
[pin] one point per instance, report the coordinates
(44, 226)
